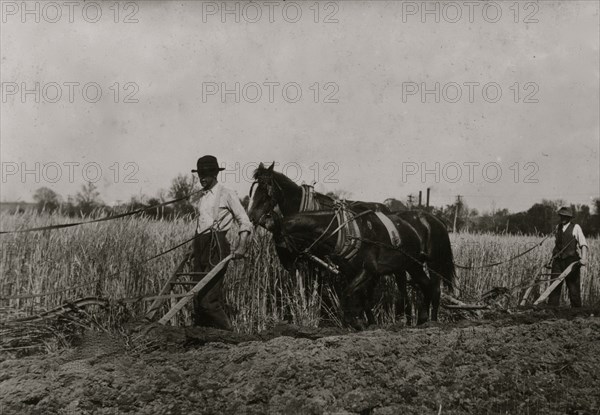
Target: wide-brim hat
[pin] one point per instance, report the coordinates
(565, 211)
(207, 164)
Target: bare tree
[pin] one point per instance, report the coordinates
(88, 199)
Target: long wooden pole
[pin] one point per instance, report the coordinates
(552, 286)
(325, 265)
(166, 288)
(460, 304)
(526, 296)
(190, 295)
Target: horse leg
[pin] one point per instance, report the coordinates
(426, 287)
(407, 305)
(436, 292)
(403, 300)
(349, 298)
(369, 302)
(424, 309)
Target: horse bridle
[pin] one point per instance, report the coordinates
(272, 185)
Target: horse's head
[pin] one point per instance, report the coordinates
(264, 196)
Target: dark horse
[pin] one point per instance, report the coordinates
(361, 259)
(277, 194)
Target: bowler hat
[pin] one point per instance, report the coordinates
(565, 211)
(207, 164)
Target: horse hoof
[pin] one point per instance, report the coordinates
(355, 324)
(360, 325)
(421, 321)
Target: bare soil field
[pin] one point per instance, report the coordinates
(540, 361)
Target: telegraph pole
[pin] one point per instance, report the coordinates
(427, 203)
(420, 198)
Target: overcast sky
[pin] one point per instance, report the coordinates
(371, 131)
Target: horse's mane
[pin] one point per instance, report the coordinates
(286, 182)
(280, 177)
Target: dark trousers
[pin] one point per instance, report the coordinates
(572, 280)
(209, 308)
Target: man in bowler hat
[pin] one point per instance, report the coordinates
(217, 208)
(570, 246)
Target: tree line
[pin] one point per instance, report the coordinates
(87, 201)
(540, 218)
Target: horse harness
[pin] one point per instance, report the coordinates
(348, 232)
(391, 228)
(308, 201)
(270, 183)
(349, 236)
(347, 245)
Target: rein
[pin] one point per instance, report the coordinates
(518, 255)
(505, 261)
(339, 228)
(307, 250)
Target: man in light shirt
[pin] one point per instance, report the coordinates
(217, 208)
(570, 247)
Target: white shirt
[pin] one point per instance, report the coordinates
(222, 217)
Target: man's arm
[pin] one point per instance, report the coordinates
(578, 233)
(583, 260)
(240, 251)
(241, 218)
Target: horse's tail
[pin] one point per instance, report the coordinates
(441, 252)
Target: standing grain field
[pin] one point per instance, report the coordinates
(478, 250)
(41, 270)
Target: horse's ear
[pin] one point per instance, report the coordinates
(271, 167)
(261, 165)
